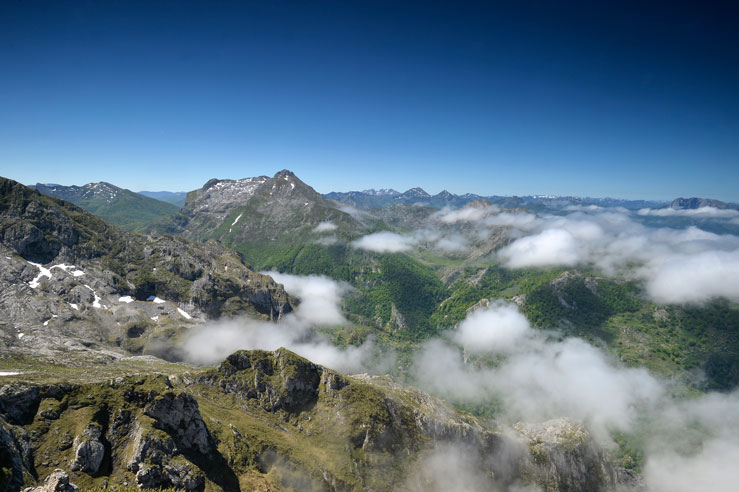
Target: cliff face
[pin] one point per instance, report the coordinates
(66, 276)
(271, 421)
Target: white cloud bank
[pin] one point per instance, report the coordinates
(320, 305)
(690, 445)
(385, 242)
(677, 265)
(325, 227)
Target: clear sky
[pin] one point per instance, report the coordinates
(624, 99)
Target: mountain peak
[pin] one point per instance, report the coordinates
(695, 202)
(285, 173)
(417, 192)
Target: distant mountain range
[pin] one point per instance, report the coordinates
(371, 199)
(119, 206)
(695, 203)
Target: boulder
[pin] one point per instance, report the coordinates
(58, 481)
(89, 451)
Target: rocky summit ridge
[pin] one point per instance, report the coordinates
(275, 421)
(258, 213)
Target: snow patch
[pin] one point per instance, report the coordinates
(154, 318)
(20, 335)
(96, 301)
(126, 299)
(235, 221)
(45, 272)
(74, 306)
(184, 314)
(155, 300)
(10, 373)
(292, 186)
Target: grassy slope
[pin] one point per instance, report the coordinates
(130, 211)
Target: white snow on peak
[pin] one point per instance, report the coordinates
(74, 306)
(184, 314)
(126, 299)
(292, 186)
(155, 300)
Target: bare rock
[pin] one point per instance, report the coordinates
(58, 481)
(90, 451)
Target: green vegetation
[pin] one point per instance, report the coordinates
(126, 209)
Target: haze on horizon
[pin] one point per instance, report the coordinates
(598, 99)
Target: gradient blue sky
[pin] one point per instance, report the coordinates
(523, 97)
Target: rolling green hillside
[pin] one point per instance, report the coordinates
(124, 208)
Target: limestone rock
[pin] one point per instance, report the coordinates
(564, 457)
(178, 415)
(90, 451)
(58, 481)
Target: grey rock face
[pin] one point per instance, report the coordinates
(19, 403)
(11, 459)
(89, 451)
(157, 462)
(178, 415)
(564, 457)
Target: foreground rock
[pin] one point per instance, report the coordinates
(273, 420)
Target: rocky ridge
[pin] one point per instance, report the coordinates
(254, 214)
(273, 420)
(68, 280)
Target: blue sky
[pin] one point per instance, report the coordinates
(586, 98)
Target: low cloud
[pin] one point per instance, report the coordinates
(385, 242)
(494, 329)
(320, 305)
(464, 214)
(698, 213)
(676, 265)
(320, 297)
(536, 375)
(325, 227)
(539, 375)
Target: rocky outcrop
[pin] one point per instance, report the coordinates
(58, 481)
(12, 464)
(564, 458)
(321, 431)
(157, 463)
(178, 415)
(89, 451)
